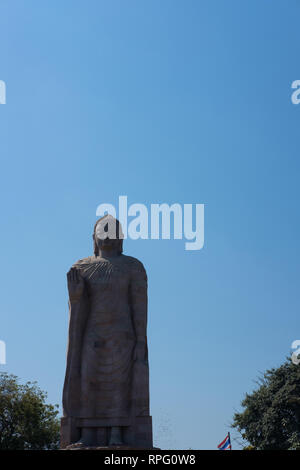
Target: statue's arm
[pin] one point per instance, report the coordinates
(139, 306)
(78, 313)
(139, 301)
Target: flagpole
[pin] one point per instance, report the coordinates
(230, 441)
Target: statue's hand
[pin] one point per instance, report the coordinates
(75, 284)
(140, 351)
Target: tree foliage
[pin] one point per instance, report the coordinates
(26, 421)
(271, 415)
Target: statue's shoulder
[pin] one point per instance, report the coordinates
(133, 264)
(81, 263)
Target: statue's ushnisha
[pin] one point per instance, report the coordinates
(106, 390)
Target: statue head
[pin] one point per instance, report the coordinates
(108, 235)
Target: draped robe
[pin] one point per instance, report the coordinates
(102, 378)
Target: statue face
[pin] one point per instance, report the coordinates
(108, 244)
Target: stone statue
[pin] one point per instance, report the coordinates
(106, 389)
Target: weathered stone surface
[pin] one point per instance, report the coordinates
(106, 390)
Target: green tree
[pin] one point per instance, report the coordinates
(271, 415)
(26, 421)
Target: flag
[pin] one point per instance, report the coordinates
(226, 444)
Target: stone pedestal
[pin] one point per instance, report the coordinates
(136, 432)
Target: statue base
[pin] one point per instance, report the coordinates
(136, 433)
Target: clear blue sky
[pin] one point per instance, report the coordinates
(162, 101)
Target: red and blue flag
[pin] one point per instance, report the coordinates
(226, 444)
